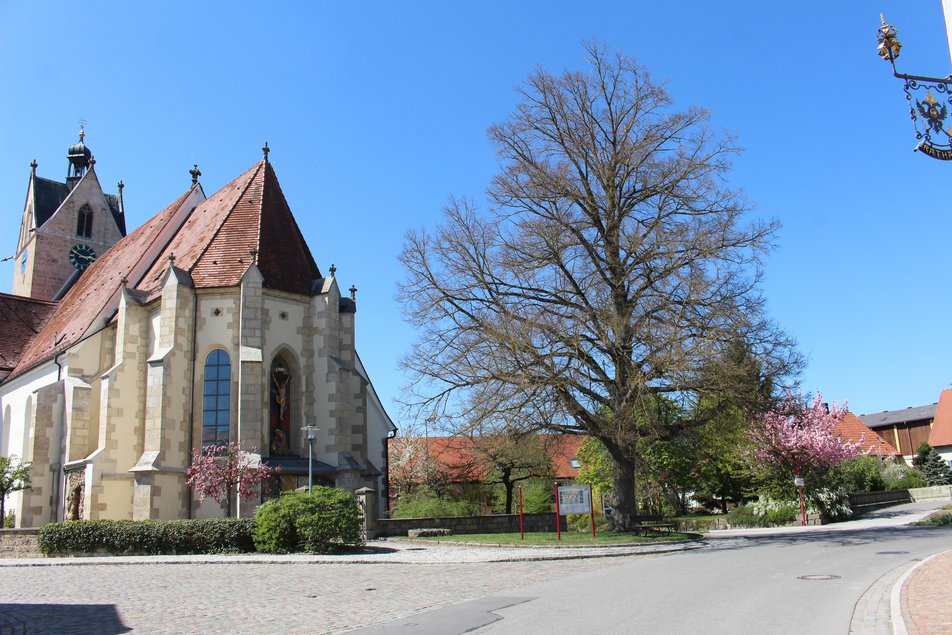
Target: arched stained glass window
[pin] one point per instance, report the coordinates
(216, 405)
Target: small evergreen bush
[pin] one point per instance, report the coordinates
(935, 470)
(148, 537)
(327, 520)
(10, 521)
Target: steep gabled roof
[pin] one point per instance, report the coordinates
(48, 195)
(250, 213)
(22, 320)
(941, 433)
(852, 429)
(76, 313)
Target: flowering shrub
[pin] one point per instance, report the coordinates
(832, 504)
(218, 471)
(798, 439)
(774, 511)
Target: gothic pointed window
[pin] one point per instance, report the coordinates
(84, 222)
(216, 400)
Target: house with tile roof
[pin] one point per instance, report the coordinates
(940, 436)
(904, 429)
(853, 430)
(210, 323)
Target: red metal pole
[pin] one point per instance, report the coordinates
(803, 507)
(522, 532)
(591, 509)
(558, 516)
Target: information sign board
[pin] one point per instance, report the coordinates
(574, 499)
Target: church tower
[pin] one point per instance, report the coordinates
(65, 227)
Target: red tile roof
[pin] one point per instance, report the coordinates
(22, 319)
(463, 463)
(942, 424)
(214, 244)
(852, 429)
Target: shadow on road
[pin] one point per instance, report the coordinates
(85, 619)
(830, 538)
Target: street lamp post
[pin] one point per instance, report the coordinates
(311, 431)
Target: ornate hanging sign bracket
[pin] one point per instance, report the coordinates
(929, 99)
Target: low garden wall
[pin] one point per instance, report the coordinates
(19, 543)
(866, 501)
(937, 491)
(495, 524)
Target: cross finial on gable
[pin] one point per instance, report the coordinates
(33, 165)
(195, 172)
(353, 292)
(120, 185)
(333, 269)
(171, 260)
(265, 150)
(123, 281)
(254, 255)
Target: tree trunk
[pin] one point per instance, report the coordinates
(505, 479)
(624, 507)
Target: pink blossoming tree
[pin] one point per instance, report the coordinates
(799, 439)
(219, 471)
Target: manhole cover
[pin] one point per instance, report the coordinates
(818, 577)
(890, 553)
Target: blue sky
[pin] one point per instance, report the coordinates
(376, 113)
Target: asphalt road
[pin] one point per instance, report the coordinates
(748, 583)
(801, 583)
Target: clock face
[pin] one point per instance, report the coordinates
(81, 256)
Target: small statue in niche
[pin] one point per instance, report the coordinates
(279, 442)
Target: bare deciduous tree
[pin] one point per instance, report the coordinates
(614, 266)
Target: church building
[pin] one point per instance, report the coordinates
(121, 354)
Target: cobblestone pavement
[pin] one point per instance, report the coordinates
(926, 608)
(266, 595)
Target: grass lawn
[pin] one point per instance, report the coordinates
(569, 538)
(941, 517)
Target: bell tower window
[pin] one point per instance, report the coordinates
(84, 222)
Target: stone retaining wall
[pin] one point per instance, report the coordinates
(19, 543)
(495, 524)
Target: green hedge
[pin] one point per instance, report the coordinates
(151, 537)
(327, 520)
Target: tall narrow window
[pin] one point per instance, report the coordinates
(84, 222)
(217, 398)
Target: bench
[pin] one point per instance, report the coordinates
(652, 523)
